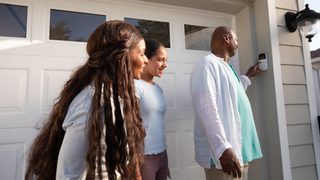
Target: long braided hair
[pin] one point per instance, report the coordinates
(108, 48)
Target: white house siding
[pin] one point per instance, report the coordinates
(299, 127)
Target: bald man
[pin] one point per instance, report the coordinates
(224, 131)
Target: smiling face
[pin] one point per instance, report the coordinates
(138, 59)
(157, 63)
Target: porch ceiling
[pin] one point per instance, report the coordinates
(224, 6)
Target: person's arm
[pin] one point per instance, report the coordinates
(245, 81)
(252, 71)
(72, 156)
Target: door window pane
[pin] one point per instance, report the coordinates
(73, 26)
(198, 37)
(152, 30)
(13, 20)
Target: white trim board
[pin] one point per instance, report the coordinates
(284, 145)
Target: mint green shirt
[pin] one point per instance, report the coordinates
(250, 142)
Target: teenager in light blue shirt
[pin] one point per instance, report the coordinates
(152, 109)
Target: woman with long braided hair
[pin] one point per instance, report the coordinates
(95, 129)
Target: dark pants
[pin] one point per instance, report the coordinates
(155, 167)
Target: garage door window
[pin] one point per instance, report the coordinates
(152, 30)
(73, 26)
(13, 20)
(198, 37)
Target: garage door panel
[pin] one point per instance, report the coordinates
(187, 95)
(167, 83)
(52, 73)
(175, 85)
(51, 86)
(195, 57)
(11, 154)
(30, 83)
(175, 88)
(172, 150)
(14, 144)
(16, 82)
(20, 120)
(14, 89)
(191, 56)
(182, 150)
(191, 152)
(189, 174)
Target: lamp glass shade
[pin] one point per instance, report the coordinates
(309, 28)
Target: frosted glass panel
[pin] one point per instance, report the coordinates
(198, 37)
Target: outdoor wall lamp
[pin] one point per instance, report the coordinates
(307, 20)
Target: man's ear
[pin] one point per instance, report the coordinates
(226, 38)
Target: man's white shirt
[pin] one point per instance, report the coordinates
(217, 124)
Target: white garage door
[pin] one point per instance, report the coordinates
(34, 64)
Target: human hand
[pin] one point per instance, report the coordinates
(168, 173)
(254, 70)
(230, 164)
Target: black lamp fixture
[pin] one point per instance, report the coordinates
(307, 20)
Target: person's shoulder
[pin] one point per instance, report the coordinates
(139, 88)
(83, 100)
(208, 65)
(208, 60)
(80, 108)
(138, 82)
(205, 62)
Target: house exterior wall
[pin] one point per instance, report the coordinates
(287, 96)
(296, 101)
